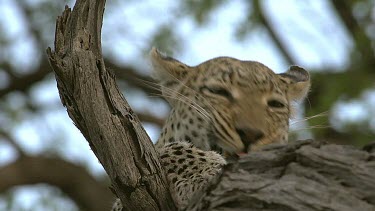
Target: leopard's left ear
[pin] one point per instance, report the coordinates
(166, 68)
(298, 80)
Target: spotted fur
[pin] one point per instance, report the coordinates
(221, 107)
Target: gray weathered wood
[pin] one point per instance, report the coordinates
(303, 175)
(99, 110)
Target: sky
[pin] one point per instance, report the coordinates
(125, 41)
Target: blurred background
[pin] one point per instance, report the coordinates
(45, 163)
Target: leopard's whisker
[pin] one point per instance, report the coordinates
(189, 88)
(322, 114)
(189, 102)
(172, 94)
(311, 127)
(192, 104)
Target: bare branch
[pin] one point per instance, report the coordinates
(99, 110)
(12, 142)
(361, 40)
(72, 179)
(24, 82)
(266, 23)
(151, 119)
(132, 77)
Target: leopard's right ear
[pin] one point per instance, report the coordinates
(299, 82)
(167, 68)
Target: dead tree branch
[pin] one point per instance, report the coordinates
(72, 179)
(272, 32)
(90, 94)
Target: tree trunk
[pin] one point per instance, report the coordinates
(303, 175)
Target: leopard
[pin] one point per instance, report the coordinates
(221, 108)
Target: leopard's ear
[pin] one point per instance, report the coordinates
(298, 80)
(167, 68)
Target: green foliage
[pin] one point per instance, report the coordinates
(200, 10)
(166, 39)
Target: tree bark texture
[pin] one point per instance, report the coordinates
(99, 110)
(302, 175)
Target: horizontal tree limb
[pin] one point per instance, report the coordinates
(72, 179)
(303, 175)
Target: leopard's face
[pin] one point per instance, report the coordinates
(234, 105)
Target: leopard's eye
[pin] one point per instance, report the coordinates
(218, 91)
(275, 104)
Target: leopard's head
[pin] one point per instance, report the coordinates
(228, 105)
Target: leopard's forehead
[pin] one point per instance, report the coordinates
(237, 72)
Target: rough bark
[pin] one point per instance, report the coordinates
(304, 175)
(98, 109)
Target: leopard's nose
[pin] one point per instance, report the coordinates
(249, 136)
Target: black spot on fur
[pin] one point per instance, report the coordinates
(177, 147)
(177, 152)
(171, 139)
(181, 160)
(180, 171)
(187, 138)
(202, 159)
(178, 182)
(183, 74)
(190, 156)
(174, 179)
(164, 156)
(189, 151)
(194, 133)
(201, 153)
